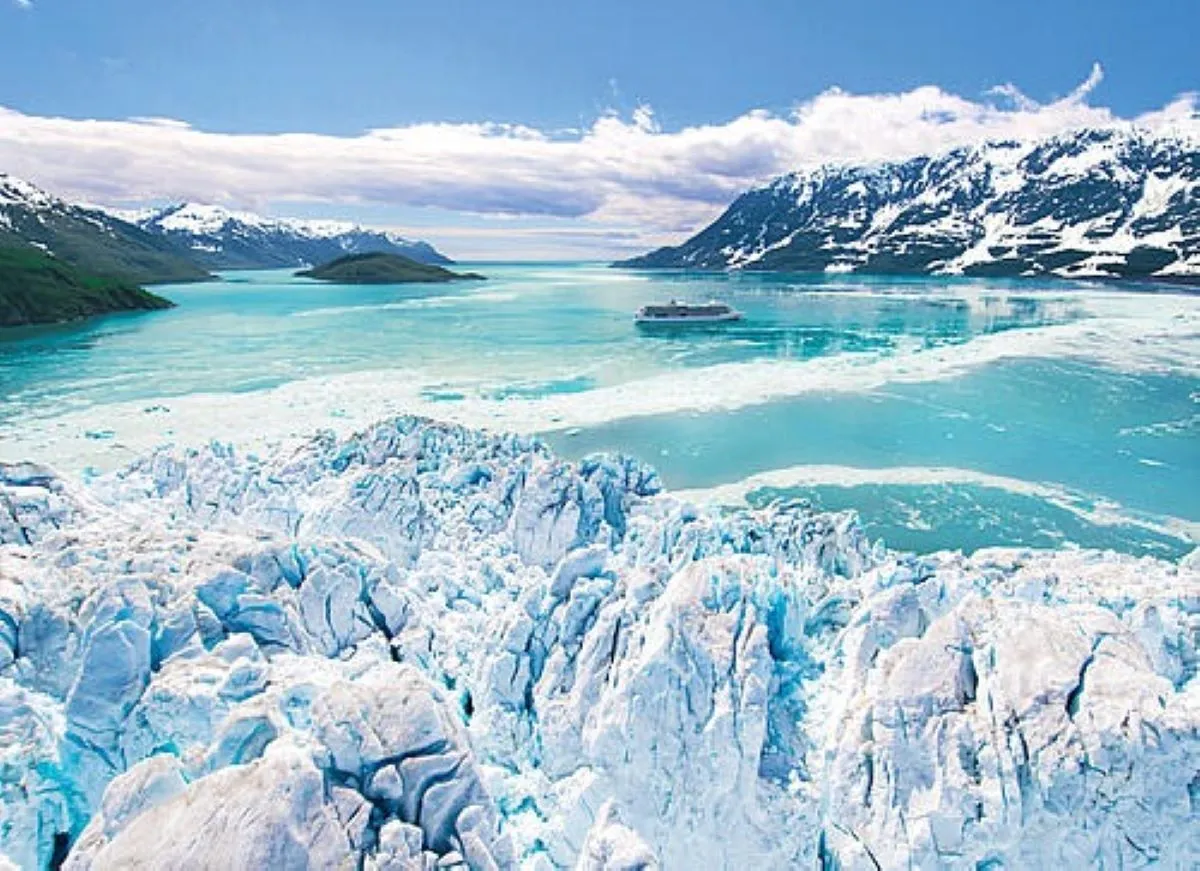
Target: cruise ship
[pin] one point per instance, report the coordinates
(675, 312)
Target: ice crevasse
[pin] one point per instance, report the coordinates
(430, 647)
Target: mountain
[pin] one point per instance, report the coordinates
(88, 239)
(222, 239)
(1093, 203)
(377, 268)
(36, 288)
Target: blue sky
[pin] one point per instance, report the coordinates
(305, 67)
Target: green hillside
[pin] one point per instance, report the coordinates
(38, 289)
(90, 240)
(379, 268)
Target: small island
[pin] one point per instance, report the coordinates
(381, 268)
(36, 288)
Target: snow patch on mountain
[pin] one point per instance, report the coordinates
(87, 237)
(225, 239)
(200, 219)
(425, 646)
(14, 191)
(1087, 204)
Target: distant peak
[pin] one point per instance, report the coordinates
(1096, 202)
(16, 190)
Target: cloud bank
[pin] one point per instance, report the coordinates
(619, 172)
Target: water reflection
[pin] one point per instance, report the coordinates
(790, 324)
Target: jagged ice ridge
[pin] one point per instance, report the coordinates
(426, 646)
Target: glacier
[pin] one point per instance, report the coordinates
(425, 646)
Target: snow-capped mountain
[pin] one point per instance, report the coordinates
(425, 646)
(220, 238)
(89, 239)
(1095, 203)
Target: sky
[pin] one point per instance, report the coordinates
(549, 128)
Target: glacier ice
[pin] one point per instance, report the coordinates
(430, 647)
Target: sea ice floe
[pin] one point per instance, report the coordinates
(425, 646)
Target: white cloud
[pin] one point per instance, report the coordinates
(557, 240)
(627, 173)
(24, 4)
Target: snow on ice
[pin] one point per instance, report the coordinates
(428, 647)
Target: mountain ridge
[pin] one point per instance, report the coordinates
(88, 239)
(1092, 203)
(221, 238)
(36, 288)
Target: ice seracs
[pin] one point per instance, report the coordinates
(425, 646)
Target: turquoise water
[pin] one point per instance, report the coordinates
(949, 413)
